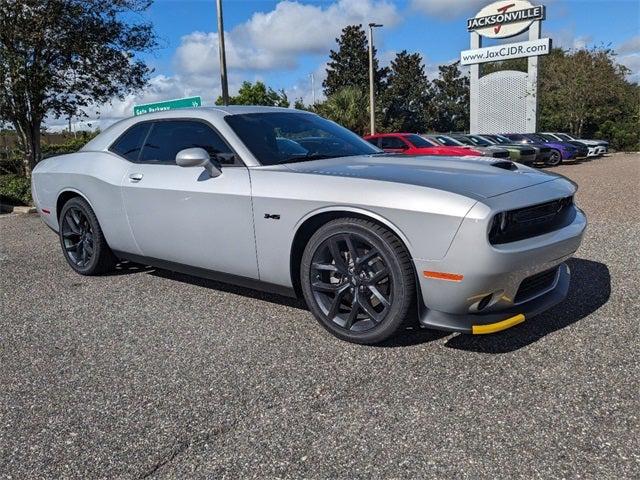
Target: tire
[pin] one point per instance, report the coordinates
(363, 301)
(554, 159)
(82, 241)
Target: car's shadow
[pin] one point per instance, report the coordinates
(590, 289)
(126, 267)
(229, 288)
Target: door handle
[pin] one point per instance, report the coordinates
(135, 177)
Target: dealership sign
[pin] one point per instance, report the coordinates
(167, 105)
(497, 53)
(505, 100)
(505, 19)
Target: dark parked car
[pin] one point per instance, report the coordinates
(560, 151)
(583, 148)
(520, 153)
(540, 154)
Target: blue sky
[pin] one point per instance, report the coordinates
(283, 42)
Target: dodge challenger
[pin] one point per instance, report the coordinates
(287, 201)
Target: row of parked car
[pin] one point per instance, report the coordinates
(528, 148)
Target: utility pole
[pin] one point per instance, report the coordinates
(372, 94)
(223, 56)
(313, 88)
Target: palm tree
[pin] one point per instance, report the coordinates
(348, 107)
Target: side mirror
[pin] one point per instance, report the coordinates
(198, 157)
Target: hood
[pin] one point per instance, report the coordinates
(475, 177)
(593, 143)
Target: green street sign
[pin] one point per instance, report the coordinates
(168, 105)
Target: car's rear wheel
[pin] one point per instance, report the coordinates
(555, 158)
(357, 279)
(83, 243)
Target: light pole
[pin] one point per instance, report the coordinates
(313, 88)
(372, 93)
(223, 56)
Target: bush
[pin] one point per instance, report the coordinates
(623, 136)
(72, 145)
(15, 190)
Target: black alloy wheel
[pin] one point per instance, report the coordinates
(82, 240)
(358, 280)
(77, 237)
(350, 282)
(555, 158)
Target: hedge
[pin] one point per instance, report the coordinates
(15, 190)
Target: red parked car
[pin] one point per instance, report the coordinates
(412, 144)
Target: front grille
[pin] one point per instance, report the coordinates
(527, 222)
(500, 154)
(536, 284)
(528, 152)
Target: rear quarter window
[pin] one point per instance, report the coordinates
(129, 144)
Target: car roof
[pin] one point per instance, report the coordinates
(214, 114)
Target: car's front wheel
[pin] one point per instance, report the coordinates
(554, 159)
(83, 243)
(357, 280)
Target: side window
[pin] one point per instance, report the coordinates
(373, 141)
(392, 142)
(167, 138)
(130, 142)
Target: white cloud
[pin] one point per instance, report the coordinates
(302, 87)
(268, 41)
(631, 45)
(276, 39)
(448, 9)
(568, 39)
(629, 56)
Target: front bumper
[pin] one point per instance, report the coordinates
(484, 280)
(490, 322)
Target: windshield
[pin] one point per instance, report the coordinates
(479, 141)
(548, 138)
(448, 141)
(464, 140)
(518, 138)
(536, 138)
(502, 139)
(488, 139)
(564, 136)
(418, 141)
(283, 137)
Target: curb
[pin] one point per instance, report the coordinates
(18, 210)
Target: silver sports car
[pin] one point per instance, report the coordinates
(290, 202)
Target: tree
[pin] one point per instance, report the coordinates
(258, 94)
(406, 100)
(299, 105)
(450, 100)
(58, 57)
(349, 65)
(581, 89)
(348, 107)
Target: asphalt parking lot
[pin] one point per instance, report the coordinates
(147, 373)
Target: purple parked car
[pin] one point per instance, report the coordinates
(560, 151)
